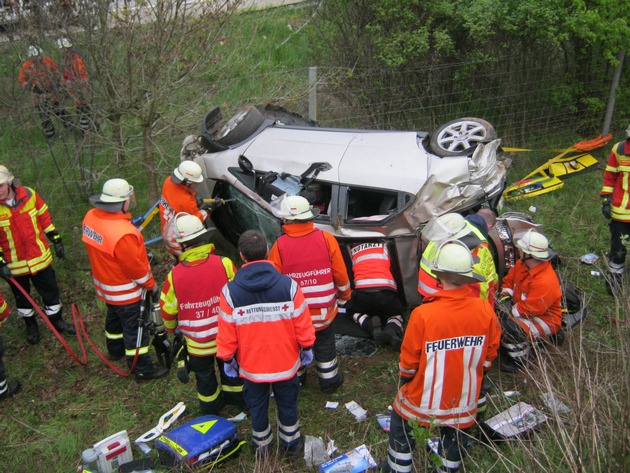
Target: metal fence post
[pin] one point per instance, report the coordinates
(312, 93)
(613, 93)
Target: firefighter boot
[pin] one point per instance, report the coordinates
(61, 326)
(377, 333)
(9, 388)
(32, 330)
(155, 372)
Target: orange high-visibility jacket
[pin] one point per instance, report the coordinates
(617, 181)
(371, 266)
(313, 258)
(40, 75)
(448, 344)
(193, 306)
(537, 298)
(120, 266)
(484, 265)
(176, 198)
(23, 226)
(75, 77)
(263, 321)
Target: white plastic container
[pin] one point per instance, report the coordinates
(113, 452)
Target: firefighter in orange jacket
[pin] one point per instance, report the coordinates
(121, 271)
(25, 254)
(193, 308)
(7, 388)
(75, 81)
(454, 226)
(313, 258)
(179, 195)
(375, 300)
(449, 344)
(40, 76)
(530, 301)
(615, 195)
(265, 335)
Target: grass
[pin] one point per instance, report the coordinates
(65, 408)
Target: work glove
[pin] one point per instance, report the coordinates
(180, 353)
(55, 238)
(230, 368)
(155, 294)
(606, 206)
(306, 356)
(5, 272)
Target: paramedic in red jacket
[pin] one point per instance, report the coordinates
(375, 305)
(450, 342)
(193, 308)
(312, 257)
(265, 335)
(121, 271)
(530, 301)
(25, 253)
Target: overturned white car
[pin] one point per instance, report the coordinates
(369, 185)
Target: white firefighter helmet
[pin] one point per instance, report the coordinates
(448, 226)
(296, 207)
(536, 245)
(188, 171)
(453, 262)
(33, 51)
(188, 227)
(116, 190)
(5, 175)
(64, 43)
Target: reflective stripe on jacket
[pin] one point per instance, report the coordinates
(371, 266)
(23, 228)
(448, 344)
(263, 321)
(537, 298)
(120, 266)
(484, 265)
(616, 181)
(193, 306)
(313, 258)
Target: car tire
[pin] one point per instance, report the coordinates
(459, 137)
(240, 127)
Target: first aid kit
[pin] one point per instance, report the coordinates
(205, 440)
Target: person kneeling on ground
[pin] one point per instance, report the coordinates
(529, 304)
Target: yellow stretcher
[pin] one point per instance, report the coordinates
(550, 176)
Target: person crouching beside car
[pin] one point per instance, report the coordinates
(529, 304)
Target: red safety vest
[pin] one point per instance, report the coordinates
(306, 260)
(371, 266)
(198, 304)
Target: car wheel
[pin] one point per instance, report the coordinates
(240, 127)
(458, 137)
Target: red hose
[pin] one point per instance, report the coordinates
(77, 318)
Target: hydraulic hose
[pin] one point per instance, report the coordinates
(77, 319)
